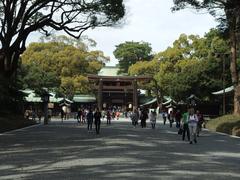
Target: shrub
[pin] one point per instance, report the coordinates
(229, 124)
(236, 131)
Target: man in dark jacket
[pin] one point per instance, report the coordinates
(97, 117)
(90, 119)
(144, 117)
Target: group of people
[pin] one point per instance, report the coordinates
(191, 125)
(142, 115)
(90, 116)
(188, 123)
(33, 114)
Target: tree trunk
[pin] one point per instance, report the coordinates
(236, 100)
(8, 62)
(234, 73)
(231, 15)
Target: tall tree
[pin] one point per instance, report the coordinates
(130, 52)
(228, 11)
(60, 64)
(19, 18)
(179, 73)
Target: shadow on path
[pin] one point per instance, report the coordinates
(68, 151)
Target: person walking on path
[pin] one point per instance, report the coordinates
(178, 117)
(153, 118)
(134, 118)
(79, 115)
(97, 117)
(171, 118)
(90, 120)
(192, 123)
(164, 116)
(39, 114)
(200, 122)
(144, 117)
(185, 126)
(109, 117)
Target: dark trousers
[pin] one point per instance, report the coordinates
(177, 123)
(164, 120)
(89, 126)
(97, 125)
(170, 122)
(186, 129)
(143, 123)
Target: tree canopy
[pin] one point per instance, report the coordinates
(130, 52)
(176, 71)
(61, 65)
(227, 12)
(19, 18)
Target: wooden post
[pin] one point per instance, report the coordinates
(100, 87)
(135, 96)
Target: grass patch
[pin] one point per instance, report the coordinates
(11, 122)
(229, 124)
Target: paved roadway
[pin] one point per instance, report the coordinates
(67, 151)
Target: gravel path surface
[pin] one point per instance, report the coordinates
(67, 151)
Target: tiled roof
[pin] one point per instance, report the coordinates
(109, 71)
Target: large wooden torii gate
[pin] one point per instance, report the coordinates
(117, 89)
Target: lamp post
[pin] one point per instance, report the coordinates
(45, 99)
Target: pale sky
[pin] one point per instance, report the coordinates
(151, 21)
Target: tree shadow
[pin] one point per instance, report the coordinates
(68, 151)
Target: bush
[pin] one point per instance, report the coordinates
(229, 124)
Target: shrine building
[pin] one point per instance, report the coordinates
(112, 89)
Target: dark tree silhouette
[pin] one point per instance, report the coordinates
(19, 18)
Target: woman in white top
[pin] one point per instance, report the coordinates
(192, 124)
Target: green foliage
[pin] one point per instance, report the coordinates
(228, 14)
(190, 66)
(129, 53)
(36, 77)
(149, 68)
(60, 64)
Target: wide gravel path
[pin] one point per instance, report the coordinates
(67, 151)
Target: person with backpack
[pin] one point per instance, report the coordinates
(97, 117)
(192, 123)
